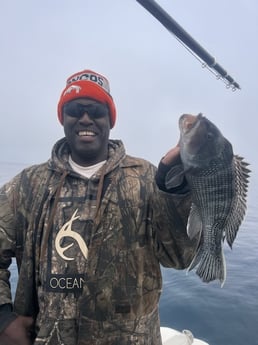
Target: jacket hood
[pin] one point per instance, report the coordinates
(60, 156)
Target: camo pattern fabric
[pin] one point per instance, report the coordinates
(89, 271)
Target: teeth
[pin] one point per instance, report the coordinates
(86, 133)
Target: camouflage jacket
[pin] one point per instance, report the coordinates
(89, 250)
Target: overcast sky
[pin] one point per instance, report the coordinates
(153, 78)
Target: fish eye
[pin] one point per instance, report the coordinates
(209, 135)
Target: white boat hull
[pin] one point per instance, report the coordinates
(171, 336)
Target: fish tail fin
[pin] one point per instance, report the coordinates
(210, 267)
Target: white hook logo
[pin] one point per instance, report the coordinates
(75, 88)
(66, 231)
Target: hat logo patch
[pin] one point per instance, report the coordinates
(75, 88)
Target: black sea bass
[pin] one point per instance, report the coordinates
(218, 180)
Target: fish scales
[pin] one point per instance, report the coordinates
(213, 193)
(219, 181)
(214, 203)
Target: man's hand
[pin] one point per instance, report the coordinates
(170, 176)
(172, 157)
(18, 332)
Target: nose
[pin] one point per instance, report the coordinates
(85, 118)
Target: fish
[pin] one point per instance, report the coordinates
(219, 181)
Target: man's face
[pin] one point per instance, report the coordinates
(87, 127)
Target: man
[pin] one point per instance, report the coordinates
(89, 229)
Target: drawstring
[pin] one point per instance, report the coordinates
(99, 192)
(51, 218)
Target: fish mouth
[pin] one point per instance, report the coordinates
(187, 122)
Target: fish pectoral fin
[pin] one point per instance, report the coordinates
(175, 176)
(194, 224)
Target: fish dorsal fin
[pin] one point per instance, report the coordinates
(238, 209)
(194, 224)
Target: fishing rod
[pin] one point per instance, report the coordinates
(189, 42)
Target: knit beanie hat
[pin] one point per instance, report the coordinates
(87, 84)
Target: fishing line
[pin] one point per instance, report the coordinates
(204, 65)
(189, 43)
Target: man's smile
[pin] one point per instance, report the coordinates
(86, 133)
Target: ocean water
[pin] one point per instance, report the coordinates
(219, 316)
